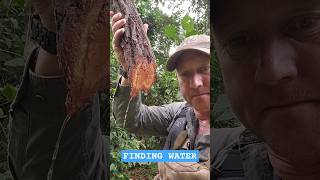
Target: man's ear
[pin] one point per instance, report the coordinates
(177, 75)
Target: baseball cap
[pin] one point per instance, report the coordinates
(200, 43)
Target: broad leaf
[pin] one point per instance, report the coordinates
(171, 32)
(9, 92)
(188, 25)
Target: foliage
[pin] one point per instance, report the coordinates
(12, 39)
(121, 139)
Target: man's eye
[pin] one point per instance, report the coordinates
(204, 69)
(306, 26)
(185, 74)
(305, 23)
(239, 41)
(240, 45)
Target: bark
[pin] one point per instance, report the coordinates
(137, 49)
(82, 48)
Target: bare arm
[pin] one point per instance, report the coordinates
(47, 64)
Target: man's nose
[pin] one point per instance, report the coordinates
(196, 81)
(277, 63)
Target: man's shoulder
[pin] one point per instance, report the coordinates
(226, 135)
(178, 104)
(177, 107)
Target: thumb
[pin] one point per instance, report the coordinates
(145, 27)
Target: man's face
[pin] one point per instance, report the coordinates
(269, 54)
(193, 72)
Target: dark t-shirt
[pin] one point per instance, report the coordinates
(240, 155)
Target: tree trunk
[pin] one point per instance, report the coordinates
(137, 49)
(83, 48)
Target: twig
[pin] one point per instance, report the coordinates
(9, 7)
(10, 52)
(5, 103)
(56, 149)
(125, 116)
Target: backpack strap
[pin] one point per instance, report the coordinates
(192, 126)
(231, 166)
(177, 125)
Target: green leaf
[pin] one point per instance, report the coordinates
(9, 92)
(188, 25)
(171, 32)
(1, 112)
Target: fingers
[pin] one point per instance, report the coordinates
(111, 13)
(118, 25)
(118, 22)
(117, 38)
(117, 48)
(115, 18)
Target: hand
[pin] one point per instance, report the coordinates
(118, 22)
(46, 64)
(45, 9)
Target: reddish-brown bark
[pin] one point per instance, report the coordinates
(83, 48)
(137, 49)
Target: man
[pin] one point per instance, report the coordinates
(186, 124)
(269, 53)
(38, 112)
